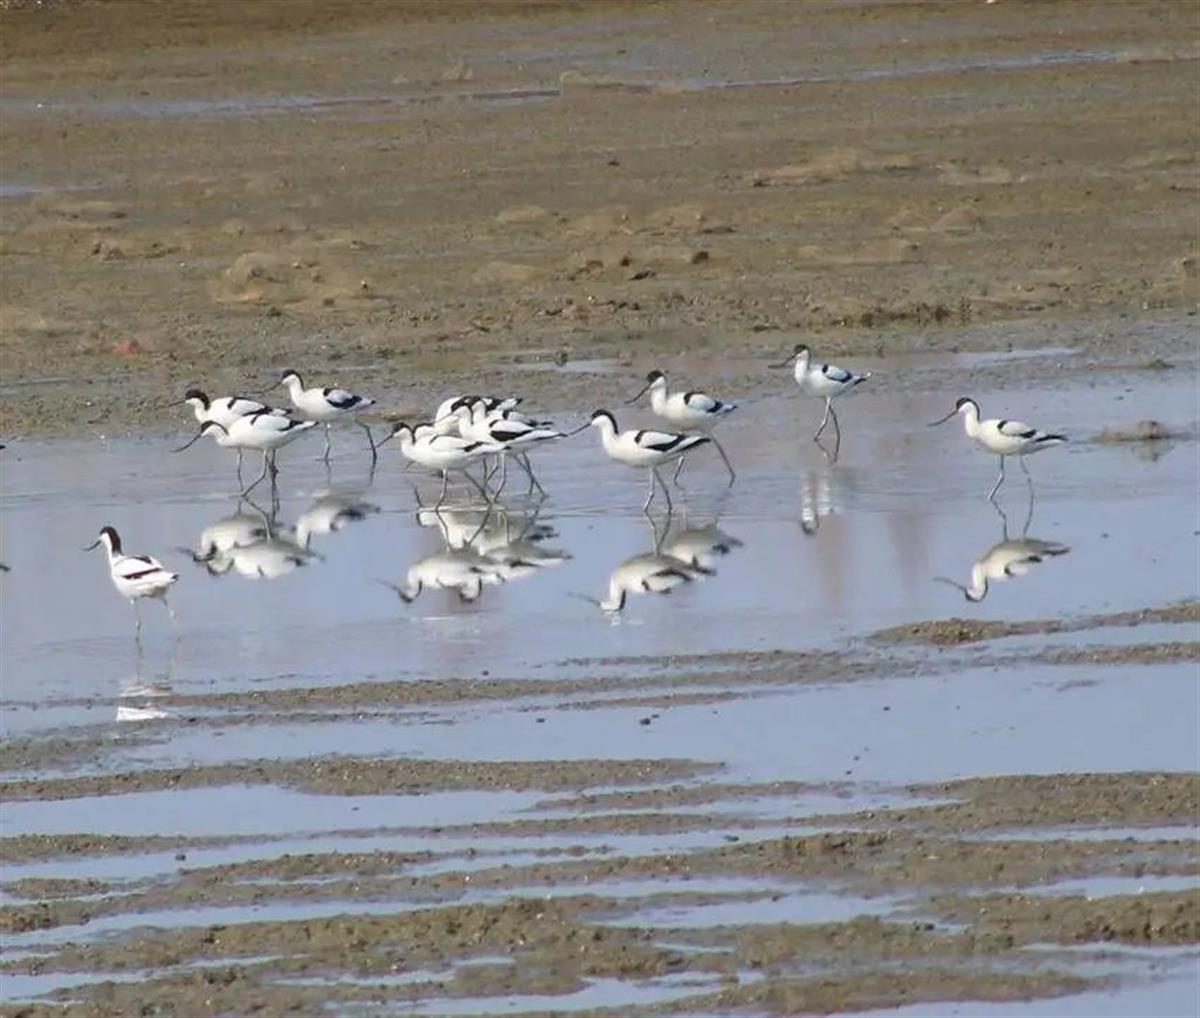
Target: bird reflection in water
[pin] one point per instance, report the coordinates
(253, 545)
(1007, 559)
(676, 558)
(139, 699)
(480, 547)
(817, 500)
(329, 514)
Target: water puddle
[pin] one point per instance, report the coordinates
(377, 105)
(790, 907)
(1140, 981)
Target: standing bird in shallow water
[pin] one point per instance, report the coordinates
(442, 453)
(135, 576)
(264, 431)
(327, 405)
(225, 410)
(825, 380)
(695, 412)
(641, 448)
(1002, 437)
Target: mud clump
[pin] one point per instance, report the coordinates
(1143, 431)
(954, 631)
(343, 775)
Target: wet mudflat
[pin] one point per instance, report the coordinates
(812, 755)
(403, 762)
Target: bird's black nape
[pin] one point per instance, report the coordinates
(654, 376)
(289, 373)
(964, 401)
(196, 394)
(114, 540)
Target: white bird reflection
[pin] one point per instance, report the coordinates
(481, 547)
(675, 559)
(330, 513)
(818, 499)
(251, 544)
(1007, 559)
(138, 699)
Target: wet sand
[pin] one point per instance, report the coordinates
(813, 779)
(409, 203)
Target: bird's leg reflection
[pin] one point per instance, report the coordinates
(1028, 513)
(816, 500)
(831, 457)
(656, 539)
(143, 694)
(1007, 559)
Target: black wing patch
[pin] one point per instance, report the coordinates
(662, 446)
(349, 401)
(507, 432)
(141, 574)
(1027, 433)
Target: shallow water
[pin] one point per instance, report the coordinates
(824, 550)
(814, 553)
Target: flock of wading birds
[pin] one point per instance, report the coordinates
(487, 430)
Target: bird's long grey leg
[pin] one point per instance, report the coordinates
(837, 428)
(371, 441)
(825, 419)
(523, 459)
(327, 443)
(258, 480)
(650, 494)
(241, 453)
(445, 485)
(999, 481)
(137, 621)
(666, 490)
(478, 487)
(678, 469)
(728, 465)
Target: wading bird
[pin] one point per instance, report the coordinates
(642, 448)
(326, 405)
(824, 380)
(690, 411)
(135, 576)
(1002, 437)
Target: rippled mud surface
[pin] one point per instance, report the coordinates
(401, 761)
